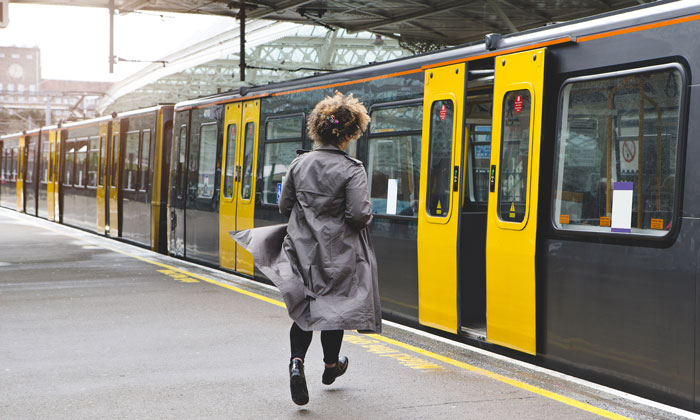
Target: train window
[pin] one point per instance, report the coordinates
(180, 156)
(278, 156)
(145, 161)
(115, 159)
(14, 158)
(617, 152)
(44, 158)
(31, 149)
(52, 177)
(247, 176)
(81, 152)
(93, 160)
(393, 163)
(100, 166)
(230, 161)
(68, 163)
(284, 128)
(207, 160)
(440, 158)
(130, 170)
(479, 161)
(515, 152)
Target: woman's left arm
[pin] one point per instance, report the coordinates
(358, 210)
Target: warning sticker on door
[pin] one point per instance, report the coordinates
(518, 105)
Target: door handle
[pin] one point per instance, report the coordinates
(492, 179)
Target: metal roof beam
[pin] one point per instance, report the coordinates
(279, 7)
(496, 8)
(408, 16)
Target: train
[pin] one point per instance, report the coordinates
(534, 194)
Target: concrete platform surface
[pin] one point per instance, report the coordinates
(92, 328)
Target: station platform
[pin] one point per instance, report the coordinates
(94, 328)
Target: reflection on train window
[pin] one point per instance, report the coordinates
(247, 176)
(100, 166)
(80, 163)
(278, 156)
(44, 157)
(230, 161)
(284, 128)
(52, 166)
(93, 161)
(30, 160)
(393, 162)
(207, 160)
(440, 159)
(131, 155)
(13, 158)
(616, 156)
(145, 159)
(180, 154)
(68, 163)
(115, 157)
(479, 161)
(515, 152)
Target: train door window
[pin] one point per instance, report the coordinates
(181, 157)
(131, 157)
(440, 158)
(207, 160)
(30, 160)
(393, 162)
(14, 157)
(44, 170)
(283, 137)
(100, 169)
(2, 164)
(115, 160)
(230, 169)
(479, 160)
(68, 161)
(617, 152)
(81, 153)
(247, 176)
(515, 152)
(145, 161)
(93, 160)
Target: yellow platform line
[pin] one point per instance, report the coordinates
(536, 390)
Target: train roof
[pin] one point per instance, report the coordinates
(580, 30)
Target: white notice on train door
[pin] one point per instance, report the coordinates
(622, 207)
(392, 190)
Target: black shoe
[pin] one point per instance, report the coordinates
(297, 382)
(329, 374)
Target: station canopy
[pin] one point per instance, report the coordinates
(435, 22)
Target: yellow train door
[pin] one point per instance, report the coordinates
(237, 201)
(52, 182)
(438, 205)
(112, 227)
(101, 187)
(21, 170)
(513, 192)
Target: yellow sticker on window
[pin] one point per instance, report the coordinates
(564, 219)
(657, 224)
(605, 221)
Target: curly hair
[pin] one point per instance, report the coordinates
(337, 118)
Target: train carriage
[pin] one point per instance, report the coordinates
(534, 194)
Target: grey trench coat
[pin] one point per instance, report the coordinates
(322, 260)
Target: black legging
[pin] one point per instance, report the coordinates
(330, 340)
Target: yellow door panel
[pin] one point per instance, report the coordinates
(114, 156)
(21, 159)
(229, 179)
(247, 158)
(52, 185)
(101, 188)
(438, 206)
(513, 194)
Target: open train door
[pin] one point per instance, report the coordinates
(237, 201)
(438, 204)
(513, 195)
